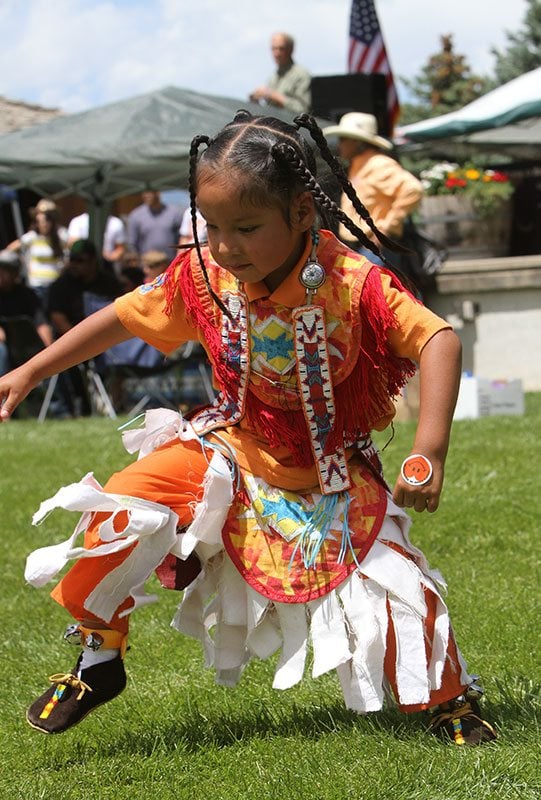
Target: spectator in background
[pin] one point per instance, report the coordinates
(131, 278)
(83, 273)
(18, 300)
(131, 270)
(388, 191)
(130, 258)
(42, 248)
(154, 225)
(114, 238)
(186, 228)
(289, 87)
(154, 263)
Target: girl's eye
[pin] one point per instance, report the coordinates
(248, 229)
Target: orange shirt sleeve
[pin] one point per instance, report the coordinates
(416, 323)
(142, 312)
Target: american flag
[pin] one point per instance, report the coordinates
(367, 52)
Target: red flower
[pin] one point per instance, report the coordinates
(453, 183)
(499, 177)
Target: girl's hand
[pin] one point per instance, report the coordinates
(440, 365)
(92, 336)
(14, 387)
(421, 498)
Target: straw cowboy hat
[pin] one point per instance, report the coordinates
(363, 127)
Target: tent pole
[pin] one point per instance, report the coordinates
(98, 210)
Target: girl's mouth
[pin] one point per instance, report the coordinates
(237, 267)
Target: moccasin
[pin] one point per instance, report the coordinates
(460, 721)
(70, 698)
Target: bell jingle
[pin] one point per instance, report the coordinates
(72, 634)
(94, 641)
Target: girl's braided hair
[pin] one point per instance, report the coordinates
(275, 162)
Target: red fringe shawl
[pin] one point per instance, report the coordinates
(360, 400)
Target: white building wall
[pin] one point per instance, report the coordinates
(495, 308)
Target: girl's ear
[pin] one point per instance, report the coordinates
(302, 212)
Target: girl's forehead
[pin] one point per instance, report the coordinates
(220, 180)
(227, 192)
(226, 205)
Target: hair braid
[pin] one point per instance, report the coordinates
(308, 122)
(292, 158)
(195, 144)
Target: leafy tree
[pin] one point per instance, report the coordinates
(444, 84)
(523, 52)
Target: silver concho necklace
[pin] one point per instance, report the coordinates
(312, 275)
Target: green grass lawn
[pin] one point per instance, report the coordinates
(174, 734)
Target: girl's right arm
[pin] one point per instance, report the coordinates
(86, 340)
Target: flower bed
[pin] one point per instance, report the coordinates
(467, 209)
(487, 189)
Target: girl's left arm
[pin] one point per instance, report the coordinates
(440, 370)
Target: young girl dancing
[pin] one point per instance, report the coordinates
(268, 506)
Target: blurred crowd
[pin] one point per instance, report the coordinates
(49, 271)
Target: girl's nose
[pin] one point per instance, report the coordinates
(226, 245)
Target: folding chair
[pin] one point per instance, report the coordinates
(155, 379)
(23, 341)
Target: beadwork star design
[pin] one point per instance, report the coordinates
(271, 348)
(283, 509)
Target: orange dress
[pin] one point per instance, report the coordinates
(242, 480)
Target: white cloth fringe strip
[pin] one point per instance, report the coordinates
(346, 629)
(150, 526)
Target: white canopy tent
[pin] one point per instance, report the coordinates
(518, 100)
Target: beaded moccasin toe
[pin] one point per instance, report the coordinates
(460, 721)
(71, 697)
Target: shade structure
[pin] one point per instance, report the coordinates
(517, 100)
(119, 148)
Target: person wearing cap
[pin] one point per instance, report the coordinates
(83, 273)
(289, 87)
(18, 300)
(114, 237)
(389, 192)
(42, 248)
(154, 263)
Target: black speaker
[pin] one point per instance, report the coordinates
(336, 95)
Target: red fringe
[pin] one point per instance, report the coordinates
(201, 311)
(280, 427)
(171, 280)
(360, 400)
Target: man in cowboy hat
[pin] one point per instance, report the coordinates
(387, 190)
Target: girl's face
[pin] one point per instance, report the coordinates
(253, 243)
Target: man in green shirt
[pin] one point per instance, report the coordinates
(289, 87)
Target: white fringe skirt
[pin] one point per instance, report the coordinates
(345, 629)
